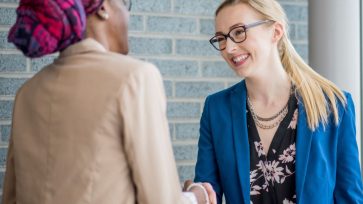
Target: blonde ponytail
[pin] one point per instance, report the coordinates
(318, 94)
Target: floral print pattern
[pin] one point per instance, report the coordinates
(293, 122)
(288, 155)
(272, 171)
(272, 174)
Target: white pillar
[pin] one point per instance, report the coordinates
(334, 46)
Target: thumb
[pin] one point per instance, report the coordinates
(186, 184)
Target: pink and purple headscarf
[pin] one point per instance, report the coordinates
(47, 26)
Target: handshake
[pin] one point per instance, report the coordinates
(203, 192)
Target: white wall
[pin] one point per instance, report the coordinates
(334, 46)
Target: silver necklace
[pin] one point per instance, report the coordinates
(272, 117)
(282, 113)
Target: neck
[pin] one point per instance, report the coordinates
(269, 87)
(99, 38)
(96, 29)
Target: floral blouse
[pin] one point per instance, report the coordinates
(272, 176)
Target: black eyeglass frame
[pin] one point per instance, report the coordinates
(226, 36)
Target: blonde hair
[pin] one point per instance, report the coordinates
(319, 95)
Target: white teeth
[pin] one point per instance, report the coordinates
(239, 58)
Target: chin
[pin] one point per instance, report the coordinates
(124, 50)
(241, 71)
(242, 74)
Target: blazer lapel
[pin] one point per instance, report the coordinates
(303, 144)
(238, 99)
(240, 136)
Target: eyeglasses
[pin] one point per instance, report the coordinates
(236, 34)
(127, 4)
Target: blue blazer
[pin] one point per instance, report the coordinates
(327, 163)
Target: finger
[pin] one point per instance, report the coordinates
(211, 193)
(186, 184)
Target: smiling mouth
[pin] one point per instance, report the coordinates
(240, 59)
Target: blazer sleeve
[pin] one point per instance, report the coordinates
(206, 168)
(348, 187)
(9, 196)
(146, 138)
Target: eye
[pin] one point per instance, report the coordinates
(218, 39)
(238, 32)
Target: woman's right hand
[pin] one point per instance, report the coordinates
(199, 192)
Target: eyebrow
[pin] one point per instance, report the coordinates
(235, 25)
(230, 28)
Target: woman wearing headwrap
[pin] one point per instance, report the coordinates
(91, 127)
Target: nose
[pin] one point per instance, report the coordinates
(230, 46)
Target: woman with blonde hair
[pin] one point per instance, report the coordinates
(282, 135)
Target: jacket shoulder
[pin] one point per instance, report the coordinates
(347, 107)
(224, 94)
(127, 63)
(342, 106)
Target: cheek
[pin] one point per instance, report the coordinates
(119, 26)
(122, 20)
(225, 56)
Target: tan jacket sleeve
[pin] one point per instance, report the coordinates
(9, 196)
(146, 139)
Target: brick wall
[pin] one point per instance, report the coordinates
(173, 34)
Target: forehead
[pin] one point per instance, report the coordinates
(235, 14)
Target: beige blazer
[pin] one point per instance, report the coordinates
(91, 128)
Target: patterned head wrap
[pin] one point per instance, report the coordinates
(46, 26)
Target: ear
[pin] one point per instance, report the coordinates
(278, 32)
(102, 11)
